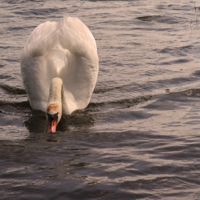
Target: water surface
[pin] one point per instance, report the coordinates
(139, 137)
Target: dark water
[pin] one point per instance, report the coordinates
(139, 138)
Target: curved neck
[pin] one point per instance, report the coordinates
(57, 96)
(55, 92)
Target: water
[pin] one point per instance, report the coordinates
(139, 137)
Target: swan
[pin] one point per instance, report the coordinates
(59, 68)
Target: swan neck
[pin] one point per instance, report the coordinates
(55, 93)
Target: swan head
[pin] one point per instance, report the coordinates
(53, 114)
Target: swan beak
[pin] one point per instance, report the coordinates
(52, 122)
(52, 126)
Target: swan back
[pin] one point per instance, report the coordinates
(64, 49)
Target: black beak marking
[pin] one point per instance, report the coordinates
(52, 117)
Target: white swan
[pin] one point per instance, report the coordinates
(59, 67)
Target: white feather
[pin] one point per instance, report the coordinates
(64, 49)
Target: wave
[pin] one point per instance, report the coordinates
(12, 90)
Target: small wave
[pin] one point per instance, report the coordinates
(15, 104)
(178, 61)
(15, 108)
(4, 47)
(160, 19)
(134, 101)
(149, 17)
(39, 12)
(177, 51)
(127, 102)
(173, 97)
(104, 90)
(191, 93)
(19, 1)
(196, 73)
(12, 90)
(2, 76)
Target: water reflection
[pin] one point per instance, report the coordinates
(36, 122)
(79, 120)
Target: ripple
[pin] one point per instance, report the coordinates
(37, 11)
(149, 18)
(10, 89)
(139, 136)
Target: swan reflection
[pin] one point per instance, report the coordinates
(78, 121)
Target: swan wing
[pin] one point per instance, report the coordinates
(80, 72)
(37, 68)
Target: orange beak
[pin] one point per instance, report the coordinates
(52, 126)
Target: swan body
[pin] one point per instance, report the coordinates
(59, 67)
